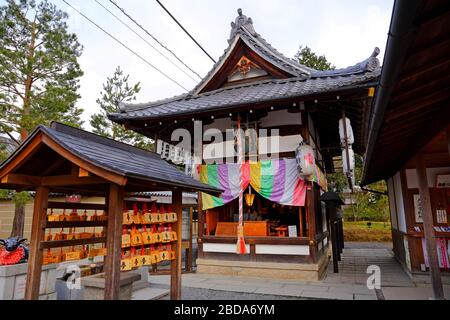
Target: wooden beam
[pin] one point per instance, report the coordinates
(83, 173)
(71, 243)
(69, 180)
(427, 213)
(21, 179)
(22, 156)
(415, 105)
(37, 236)
(53, 166)
(431, 65)
(74, 170)
(175, 265)
(399, 158)
(435, 44)
(437, 13)
(103, 173)
(74, 224)
(415, 90)
(113, 242)
(82, 206)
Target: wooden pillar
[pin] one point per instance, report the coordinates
(334, 244)
(113, 242)
(300, 217)
(175, 265)
(311, 210)
(200, 225)
(37, 236)
(311, 216)
(190, 257)
(448, 139)
(427, 213)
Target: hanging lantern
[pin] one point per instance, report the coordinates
(349, 166)
(305, 159)
(249, 197)
(348, 128)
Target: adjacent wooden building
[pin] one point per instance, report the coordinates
(409, 138)
(254, 86)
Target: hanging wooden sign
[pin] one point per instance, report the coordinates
(146, 236)
(126, 238)
(136, 237)
(126, 264)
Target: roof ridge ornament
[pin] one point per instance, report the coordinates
(241, 21)
(372, 63)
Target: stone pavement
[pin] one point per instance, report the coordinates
(348, 284)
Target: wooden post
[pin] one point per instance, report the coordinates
(311, 211)
(335, 250)
(200, 225)
(427, 213)
(300, 216)
(189, 258)
(448, 139)
(175, 265)
(37, 236)
(338, 238)
(332, 226)
(113, 242)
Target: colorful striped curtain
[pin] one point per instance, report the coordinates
(276, 180)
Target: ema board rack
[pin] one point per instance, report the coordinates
(74, 231)
(148, 237)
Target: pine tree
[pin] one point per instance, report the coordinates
(39, 73)
(115, 91)
(310, 59)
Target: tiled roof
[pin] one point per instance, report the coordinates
(262, 91)
(305, 81)
(117, 157)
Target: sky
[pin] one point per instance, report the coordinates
(345, 31)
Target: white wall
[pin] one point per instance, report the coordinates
(413, 182)
(222, 247)
(282, 249)
(392, 208)
(265, 145)
(399, 203)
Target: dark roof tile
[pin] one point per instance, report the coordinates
(262, 91)
(121, 158)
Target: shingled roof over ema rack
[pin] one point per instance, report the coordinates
(300, 81)
(113, 156)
